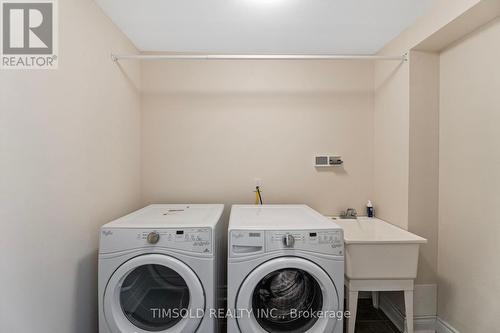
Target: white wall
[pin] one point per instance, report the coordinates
(210, 128)
(469, 159)
(392, 113)
(70, 161)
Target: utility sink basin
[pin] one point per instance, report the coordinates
(375, 249)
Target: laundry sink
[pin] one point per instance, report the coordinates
(375, 249)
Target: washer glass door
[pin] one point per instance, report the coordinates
(282, 295)
(287, 294)
(154, 293)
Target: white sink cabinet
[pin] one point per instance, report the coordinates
(379, 257)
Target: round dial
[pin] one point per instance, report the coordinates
(153, 237)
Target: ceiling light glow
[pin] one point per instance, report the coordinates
(264, 2)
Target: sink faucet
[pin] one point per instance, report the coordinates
(350, 213)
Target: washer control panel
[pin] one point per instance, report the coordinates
(321, 241)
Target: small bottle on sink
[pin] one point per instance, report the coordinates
(369, 209)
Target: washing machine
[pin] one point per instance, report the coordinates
(285, 271)
(159, 270)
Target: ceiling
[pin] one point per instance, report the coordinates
(263, 26)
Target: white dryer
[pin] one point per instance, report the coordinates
(285, 271)
(158, 270)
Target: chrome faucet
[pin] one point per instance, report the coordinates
(350, 213)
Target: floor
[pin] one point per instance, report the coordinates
(371, 320)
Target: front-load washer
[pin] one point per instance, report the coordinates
(158, 270)
(285, 271)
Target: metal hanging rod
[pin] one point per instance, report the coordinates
(118, 57)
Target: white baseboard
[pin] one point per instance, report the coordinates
(422, 324)
(444, 327)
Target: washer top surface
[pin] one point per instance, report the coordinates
(170, 216)
(278, 217)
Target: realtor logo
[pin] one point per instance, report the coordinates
(29, 34)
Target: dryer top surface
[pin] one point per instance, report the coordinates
(170, 216)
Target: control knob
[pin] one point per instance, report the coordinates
(153, 237)
(288, 241)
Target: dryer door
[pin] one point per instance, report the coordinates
(287, 294)
(154, 293)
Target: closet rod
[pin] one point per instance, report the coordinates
(118, 57)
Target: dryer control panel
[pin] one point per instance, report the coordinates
(321, 241)
(197, 240)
